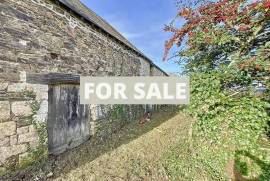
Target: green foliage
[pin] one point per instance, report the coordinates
(39, 154)
(226, 44)
(217, 111)
(251, 166)
(226, 122)
(241, 166)
(117, 112)
(35, 105)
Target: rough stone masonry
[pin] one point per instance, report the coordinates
(45, 36)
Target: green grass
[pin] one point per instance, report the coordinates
(199, 159)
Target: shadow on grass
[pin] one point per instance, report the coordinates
(241, 168)
(91, 149)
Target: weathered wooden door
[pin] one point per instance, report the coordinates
(67, 120)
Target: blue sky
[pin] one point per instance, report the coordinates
(141, 22)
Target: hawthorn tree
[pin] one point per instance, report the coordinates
(224, 44)
(232, 33)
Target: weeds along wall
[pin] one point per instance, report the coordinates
(42, 36)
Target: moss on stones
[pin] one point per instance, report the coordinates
(40, 153)
(33, 156)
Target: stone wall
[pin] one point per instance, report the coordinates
(41, 36)
(145, 68)
(23, 108)
(154, 71)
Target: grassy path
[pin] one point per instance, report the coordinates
(132, 154)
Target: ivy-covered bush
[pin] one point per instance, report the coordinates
(228, 123)
(227, 133)
(224, 46)
(218, 110)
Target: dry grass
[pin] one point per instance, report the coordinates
(132, 154)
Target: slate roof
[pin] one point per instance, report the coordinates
(80, 9)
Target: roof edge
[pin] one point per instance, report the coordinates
(67, 5)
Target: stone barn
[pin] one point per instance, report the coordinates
(45, 45)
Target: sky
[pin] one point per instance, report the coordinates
(142, 23)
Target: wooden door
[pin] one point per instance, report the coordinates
(68, 121)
